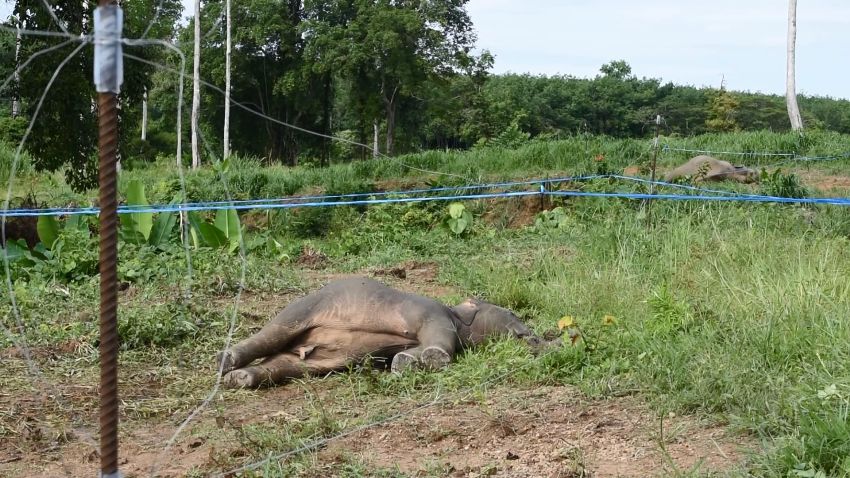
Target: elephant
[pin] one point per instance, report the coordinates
(707, 168)
(350, 319)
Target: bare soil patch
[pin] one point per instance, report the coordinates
(540, 432)
(825, 182)
(515, 212)
(545, 432)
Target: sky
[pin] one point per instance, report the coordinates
(688, 42)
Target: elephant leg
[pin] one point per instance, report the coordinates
(279, 368)
(437, 345)
(272, 338)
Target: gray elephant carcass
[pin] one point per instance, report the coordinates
(350, 319)
(707, 168)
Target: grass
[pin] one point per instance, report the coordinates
(735, 313)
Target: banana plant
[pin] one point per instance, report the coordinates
(224, 231)
(141, 227)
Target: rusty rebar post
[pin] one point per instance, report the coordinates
(107, 76)
(107, 104)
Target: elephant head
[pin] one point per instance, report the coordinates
(476, 320)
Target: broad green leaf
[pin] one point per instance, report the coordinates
(195, 226)
(456, 209)
(134, 223)
(227, 221)
(457, 225)
(211, 235)
(48, 230)
(162, 228)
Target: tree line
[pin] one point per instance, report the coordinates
(396, 75)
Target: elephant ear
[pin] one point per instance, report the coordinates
(467, 309)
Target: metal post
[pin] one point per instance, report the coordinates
(108, 72)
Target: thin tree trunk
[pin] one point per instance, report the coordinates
(145, 115)
(375, 151)
(326, 120)
(390, 126)
(389, 104)
(196, 87)
(227, 87)
(16, 103)
(791, 88)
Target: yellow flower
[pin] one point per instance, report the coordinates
(609, 320)
(566, 321)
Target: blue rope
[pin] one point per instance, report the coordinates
(354, 198)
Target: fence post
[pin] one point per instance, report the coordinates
(652, 168)
(543, 193)
(108, 76)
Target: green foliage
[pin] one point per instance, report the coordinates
(140, 227)
(65, 137)
(723, 111)
(669, 315)
(511, 138)
(136, 227)
(820, 447)
(224, 231)
(557, 218)
(48, 230)
(781, 184)
(459, 219)
(159, 326)
(72, 256)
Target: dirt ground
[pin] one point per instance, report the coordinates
(545, 432)
(514, 432)
(541, 432)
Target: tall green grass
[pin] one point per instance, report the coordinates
(250, 178)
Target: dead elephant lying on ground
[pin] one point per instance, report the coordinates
(707, 168)
(349, 319)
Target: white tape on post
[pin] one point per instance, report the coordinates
(108, 54)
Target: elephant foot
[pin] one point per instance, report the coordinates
(239, 379)
(403, 361)
(226, 360)
(434, 358)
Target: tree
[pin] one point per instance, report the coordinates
(196, 86)
(790, 86)
(226, 136)
(267, 51)
(388, 50)
(64, 136)
(722, 112)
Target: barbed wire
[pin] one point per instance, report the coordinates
(42, 33)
